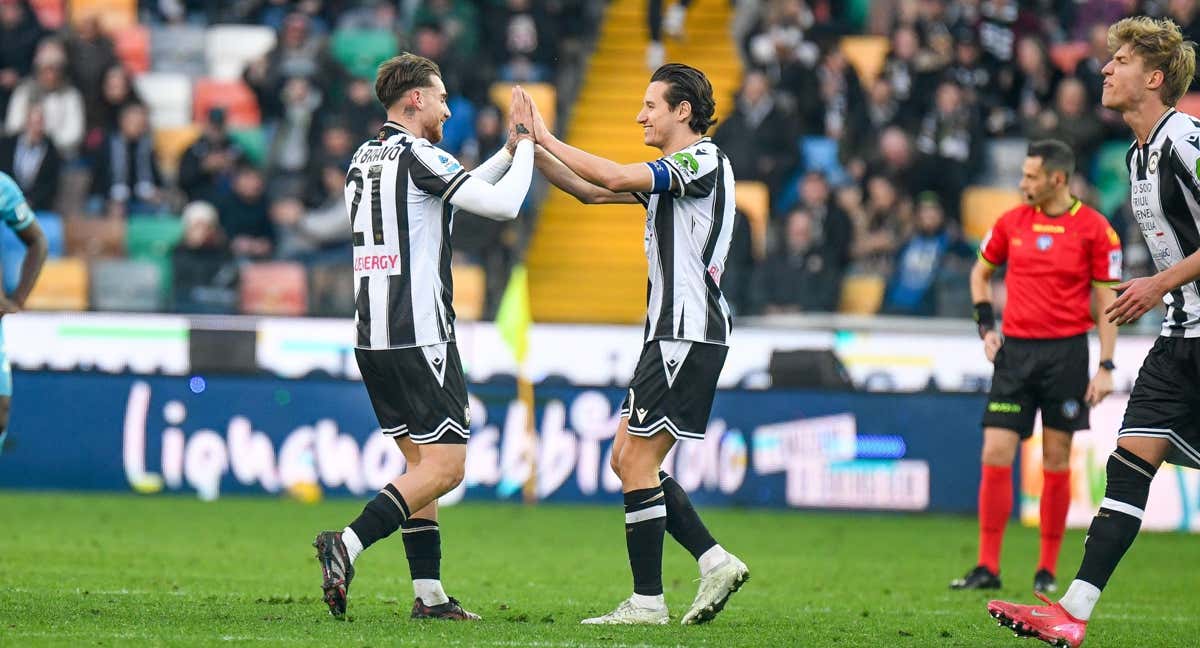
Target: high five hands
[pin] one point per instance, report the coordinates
(524, 120)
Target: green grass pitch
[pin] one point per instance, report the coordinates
(123, 570)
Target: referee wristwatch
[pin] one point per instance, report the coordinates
(1107, 364)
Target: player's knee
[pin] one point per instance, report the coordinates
(996, 454)
(614, 462)
(1056, 460)
(448, 475)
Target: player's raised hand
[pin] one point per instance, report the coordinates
(1137, 297)
(541, 132)
(519, 115)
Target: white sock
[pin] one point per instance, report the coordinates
(649, 602)
(709, 560)
(353, 544)
(430, 591)
(1080, 598)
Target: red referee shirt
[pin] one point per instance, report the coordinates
(1052, 263)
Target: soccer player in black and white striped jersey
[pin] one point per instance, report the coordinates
(402, 193)
(688, 195)
(1151, 68)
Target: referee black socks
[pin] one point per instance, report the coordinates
(645, 526)
(381, 517)
(683, 523)
(1120, 516)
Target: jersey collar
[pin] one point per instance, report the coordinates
(1158, 126)
(391, 128)
(1075, 207)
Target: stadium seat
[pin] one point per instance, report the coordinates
(229, 48)
(169, 97)
(62, 285)
(114, 14)
(126, 285)
(94, 237)
(1003, 159)
(51, 13)
(862, 294)
(12, 250)
(754, 200)
(1111, 176)
(331, 290)
(361, 51)
(236, 97)
(821, 154)
(178, 49)
(133, 47)
(170, 144)
(274, 288)
(544, 95)
(867, 54)
(981, 206)
(253, 142)
(152, 239)
(1189, 103)
(1066, 56)
(470, 291)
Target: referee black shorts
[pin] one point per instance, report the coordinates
(418, 392)
(1049, 375)
(1165, 401)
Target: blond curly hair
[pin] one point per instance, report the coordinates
(1160, 44)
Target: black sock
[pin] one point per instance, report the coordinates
(381, 517)
(423, 546)
(683, 523)
(645, 525)
(1120, 516)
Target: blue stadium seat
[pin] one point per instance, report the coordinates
(821, 154)
(13, 251)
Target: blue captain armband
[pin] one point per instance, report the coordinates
(661, 177)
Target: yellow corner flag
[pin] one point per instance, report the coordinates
(514, 316)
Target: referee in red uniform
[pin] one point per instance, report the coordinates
(1060, 254)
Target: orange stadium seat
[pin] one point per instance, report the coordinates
(51, 13)
(470, 291)
(862, 294)
(274, 288)
(170, 144)
(1066, 56)
(63, 285)
(114, 14)
(236, 97)
(754, 200)
(95, 237)
(133, 47)
(982, 206)
(867, 54)
(544, 95)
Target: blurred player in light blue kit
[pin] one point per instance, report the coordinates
(19, 217)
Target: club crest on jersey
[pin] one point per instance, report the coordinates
(1045, 242)
(687, 162)
(1152, 163)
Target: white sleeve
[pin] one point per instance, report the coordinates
(494, 168)
(502, 200)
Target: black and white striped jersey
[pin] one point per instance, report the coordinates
(689, 224)
(398, 192)
(1165, 196)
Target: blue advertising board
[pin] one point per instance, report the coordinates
(223, 434)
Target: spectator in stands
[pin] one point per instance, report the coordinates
(657, 22)
(244, 217)
(60, 101)
(298, 54)
(778, 43)
(1001, 24)
(759, 136)
(1035, 81)
(911, 83)
(318, 235)
(488, 138)
(90, 54)
(800, 276)
(360, 110)
(33, 161)
(295, 133)
(831, 226)
(124, 171)
(522, 44)
(20, 33)
(838, 89)
(950, 141)
(911, 289)
(457, 20)
(1072, 121)
(880, 224)
(207, 166)
(104, 111)
(1088, 69)
(970, 73)
(868, 119)
(335, 149)
(204, 276)
(433, 43)
(1187, 15)
(896, 160)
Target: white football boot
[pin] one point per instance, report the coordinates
(715, 589)
(630, 613)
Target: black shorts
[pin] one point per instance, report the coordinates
(673, 388)
(1050, 375)
(419, 391)
(1165, 401)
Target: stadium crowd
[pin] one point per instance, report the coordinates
(866, 175)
